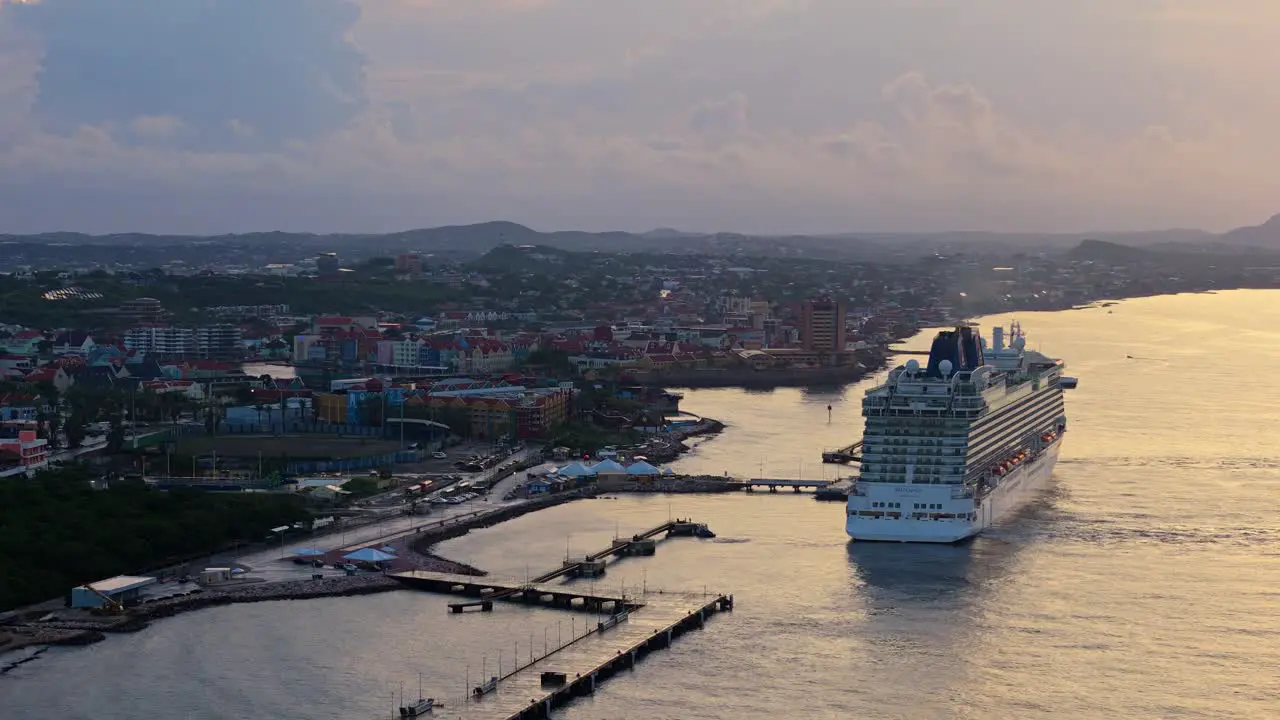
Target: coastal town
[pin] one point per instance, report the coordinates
(351, 415)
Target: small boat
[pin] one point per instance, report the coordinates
(1068, 383)
(486, 687)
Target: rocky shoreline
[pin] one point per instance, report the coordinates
(335, 586)
(669, 447)
(761, 379)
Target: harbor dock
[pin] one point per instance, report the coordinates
(837, 491)
(846, 454)
(774, 483)
(535, 685)
(536, 589)
(486, 592)
(627, 628)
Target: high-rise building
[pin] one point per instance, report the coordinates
(218, 342)
(822, 325)
(169, 342)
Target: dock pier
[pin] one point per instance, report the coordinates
(774, 483)
(486, 592)
(631, 628)
(846, 454)
(837, 491)
(633, 642)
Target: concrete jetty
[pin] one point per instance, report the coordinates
(486, 591)
(536, 590)
(774, 483)
(837, 491)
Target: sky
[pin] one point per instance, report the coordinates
(761, 116)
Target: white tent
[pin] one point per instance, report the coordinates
(576, 469)
(642, 468)
(608, 467)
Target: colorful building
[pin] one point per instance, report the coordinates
(26, 451)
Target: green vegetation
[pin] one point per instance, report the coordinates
(185, 297)
(56, 531)
(587, 438)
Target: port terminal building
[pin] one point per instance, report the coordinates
(124, 589)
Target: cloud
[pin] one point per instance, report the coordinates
(285, 66)
(756, 115)
(156, 126)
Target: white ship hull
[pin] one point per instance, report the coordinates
(1015, 489)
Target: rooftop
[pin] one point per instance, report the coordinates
(121, 583)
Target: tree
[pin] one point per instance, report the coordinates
(76, 422)
(87, 534)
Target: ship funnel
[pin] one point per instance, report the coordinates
(997, 338)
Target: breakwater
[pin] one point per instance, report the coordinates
(95, 629)
(18, 637)
(339, 586)
(668, 447)
(423, 543)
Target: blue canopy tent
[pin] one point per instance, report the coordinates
(368, 555)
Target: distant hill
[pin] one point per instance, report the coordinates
(469, 242)
(1265, 236)
(532, 258)
(1108, 252)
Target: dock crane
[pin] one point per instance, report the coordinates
(110, 604)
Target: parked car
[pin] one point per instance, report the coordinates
(440, 455)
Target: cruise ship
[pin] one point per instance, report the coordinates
(951, 447)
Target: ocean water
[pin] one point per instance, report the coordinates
(1144, 584)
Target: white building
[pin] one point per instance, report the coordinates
(164, 341)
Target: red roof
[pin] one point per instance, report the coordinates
(333, 320)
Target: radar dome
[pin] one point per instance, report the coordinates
(913, 365)
(945, 368)
(1020, 343)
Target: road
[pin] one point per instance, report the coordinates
(274, 564)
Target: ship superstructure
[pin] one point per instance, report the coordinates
(951, 447)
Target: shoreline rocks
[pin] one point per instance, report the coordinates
(340, 586)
